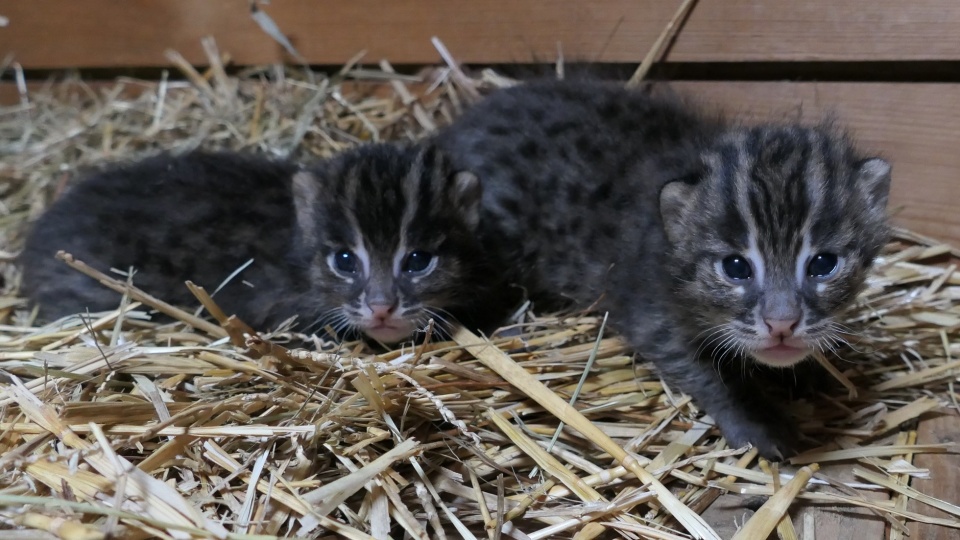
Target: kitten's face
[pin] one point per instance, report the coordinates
(390, 234)
(775, 238)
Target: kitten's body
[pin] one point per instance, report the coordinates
(595, 195)
(198, 216)
(202, 216)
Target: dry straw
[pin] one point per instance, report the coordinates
(113, 425)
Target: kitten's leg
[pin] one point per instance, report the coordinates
(739, 408)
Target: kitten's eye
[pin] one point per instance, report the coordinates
(345, 261)
(822, 265)
(737, 267)
(417, 261)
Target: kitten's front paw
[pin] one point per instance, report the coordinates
(775, 440)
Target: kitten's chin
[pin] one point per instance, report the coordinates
(780, 355)
(389, 333)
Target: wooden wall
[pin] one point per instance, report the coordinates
(914, 125)
(98, 33)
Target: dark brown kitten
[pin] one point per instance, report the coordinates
(378, 239)
(717, 249)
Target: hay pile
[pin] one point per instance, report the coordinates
(118, 426)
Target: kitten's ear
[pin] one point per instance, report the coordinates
(675, 199)
(306, 189)
(465, 192)
(462, 188)
(873, 175)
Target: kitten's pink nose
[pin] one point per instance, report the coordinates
(782, 328)
(381, 310)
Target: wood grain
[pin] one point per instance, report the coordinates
(944, 481)
(117, 33)
(730, 511)
(912, 125)
(839, 522)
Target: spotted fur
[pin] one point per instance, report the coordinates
(594, 195)
(201, 216)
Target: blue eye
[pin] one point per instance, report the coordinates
(417, 261)
(737, 267)
(822, 265)
(345, 261)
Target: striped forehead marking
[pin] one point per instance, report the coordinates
(779, 181)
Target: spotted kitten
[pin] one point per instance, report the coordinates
(718, 249)
(377, 239)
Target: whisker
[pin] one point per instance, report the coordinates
(725, 346)
(442, 324)
(436, 316)
(716, 329)
(347, 328)
(723, 333)
(323, 318)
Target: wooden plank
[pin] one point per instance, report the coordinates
(114, 33)
(912, 125)
(839, 522)
(944, 481)
(730, 511)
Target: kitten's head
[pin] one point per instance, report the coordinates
(389, 234)
(773, 236)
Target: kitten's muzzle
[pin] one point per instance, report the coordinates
(781, 313)
(382, 310)
(781, 348)
(383, 321)
(783, 354)
(781, 328)
(381, 301)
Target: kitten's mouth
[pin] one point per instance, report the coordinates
(781, 355)
(388, 331)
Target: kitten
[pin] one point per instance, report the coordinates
(716, 248)
(377, 239)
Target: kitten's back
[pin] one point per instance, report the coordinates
(197, 216)
(561, 163)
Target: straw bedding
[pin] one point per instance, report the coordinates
(112, 425)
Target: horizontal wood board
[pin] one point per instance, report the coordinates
(123, 33)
